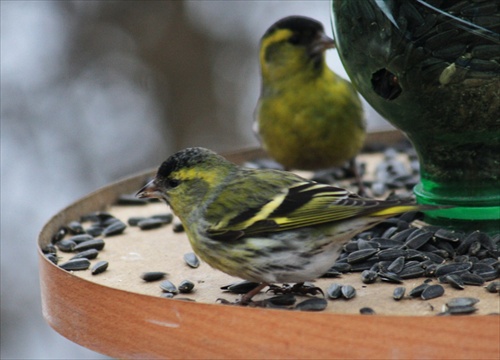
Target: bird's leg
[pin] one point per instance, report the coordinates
(247, 298)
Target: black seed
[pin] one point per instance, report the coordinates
(403, 235)
(178, 227)
(282, 300)
(341, 267)
(75, 265)
(369, 276)
(418, 239)
(397, 265)
(430, 270)
(489, 275)
(241, 287)
(166, 218)
(351, 247)
(59, 235)
(416, 255)
(432, 291)
(366, 265)
(115, 228)
(99, 267)
(192, 260)
(474, 248)
(52, 258)
(461, 301)
(334, 291)
(150, 223)
(49, 249)
(152, 275)
(391, 254)
(434, 257)
(360, 255)
(460, 310)
(87, 254)
(493, 287)
(167, 295)
(81, 238)
(412, 272)
(128, 199)
(389, 232)
(464, 245)
(95, 230)
(186, 286)
(97, 216)
(331, 273)
(417, 291)
(471, 279)
(446, 246)
(390, 277)
(348, 292)
(167, 286)
(366, 311)
(313, 304)
(451, 268)
(455, 281)
(387, 243)
(399, 293)
(366, 244)
(66, 245)
(97, 244)
(448, 235)
(75, 228)
(134, 221)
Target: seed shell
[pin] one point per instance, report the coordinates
(241, 287)
(462, 301)
(334, 291)
(99, 267)
(399, 293)
(493, 287)
(313, 304)
(75, 265)
(153, 276)
(168, 286)
(432, 291)
(348, 292)
(417, 291)
(186, 286)
(369, 276)
(366, 311)
(192, 260)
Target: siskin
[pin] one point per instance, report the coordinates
(262, 225)
(307, 117)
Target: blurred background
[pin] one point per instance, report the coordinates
(92, 91)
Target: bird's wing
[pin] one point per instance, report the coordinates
(302, 205)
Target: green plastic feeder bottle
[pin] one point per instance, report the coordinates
(432, 69)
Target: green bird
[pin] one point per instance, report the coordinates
(262, 225)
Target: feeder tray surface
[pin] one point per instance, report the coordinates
(120, 315)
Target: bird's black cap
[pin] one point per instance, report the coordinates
(186, 158)
(299, 25)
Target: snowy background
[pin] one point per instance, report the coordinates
(94, 91)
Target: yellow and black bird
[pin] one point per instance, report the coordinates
(307, 117)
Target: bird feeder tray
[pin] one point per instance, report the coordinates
(118, 314)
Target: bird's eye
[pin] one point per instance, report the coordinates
(171, 183)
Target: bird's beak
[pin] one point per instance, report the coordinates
(150, 190)
(322, 43)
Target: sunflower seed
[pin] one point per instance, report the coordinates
(455, 281)
(178, 227)
(75, 228)
(397, 265)
(493, 287)
(150, 223)
(390, 277)
(417, 291)
(432, 291)
(360, 255)
(341, 267)
(99, 267)
(391, 254)
(282, 300)
(241, 287)
(97, 244)
(166, 218)
(366, 244)
(366, 311)
(87, 254)
(471, 279)
(399, 293)
(186, 286)
(152, 275)
(461, 301)
(167, 295)
(348, 292)
(313, 304)
(464, 245)
(460, 310)
(66, 245)
(385, 244)
(412, 272)
(334, 291)
(191, 260)
(418, 238)
(115, 228)
(403, 235)
(134, 220)
(167, 286)
(75, 265)
(97, 216)
(368, 276)
(52, 258)
(389, 232)
(448, 235)
(489, 275)
(451, 268)
(59, 235)
(95, 230)
(49, 249)
(81, 238)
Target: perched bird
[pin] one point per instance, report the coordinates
(307, 117)
(262, 225)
